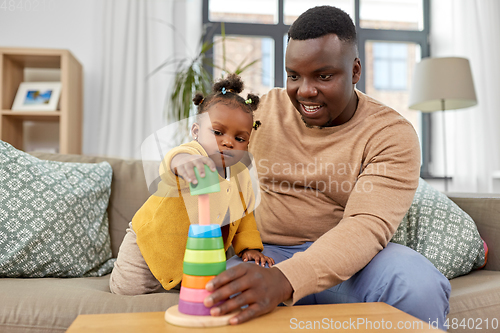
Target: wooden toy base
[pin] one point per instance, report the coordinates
(174, 317)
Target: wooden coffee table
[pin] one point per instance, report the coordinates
(361, 317)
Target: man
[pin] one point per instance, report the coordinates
(338, 172)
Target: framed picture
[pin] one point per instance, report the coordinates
(37, 96)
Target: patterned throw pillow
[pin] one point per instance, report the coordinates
(442, 232)
(53, 220)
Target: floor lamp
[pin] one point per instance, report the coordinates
(441, 84)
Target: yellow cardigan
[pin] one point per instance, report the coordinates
(162, 223)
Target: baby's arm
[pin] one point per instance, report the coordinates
(257, 256)
(183, 165)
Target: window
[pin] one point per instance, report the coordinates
(293, 8)
(267, 65)
(392, 38)
(242, 50)
(391, 15)
(388, 70)
(390, 62)
(243, 11)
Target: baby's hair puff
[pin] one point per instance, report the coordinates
(227, 91)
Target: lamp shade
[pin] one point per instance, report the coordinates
(442, 84)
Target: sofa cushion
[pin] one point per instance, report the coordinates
(475, 298)
(53, 220)
(442, 232)
(52, 304)
(128, 189)
(484, 210)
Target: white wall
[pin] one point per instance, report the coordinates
(469, 28)
(67, 24)
(78, 25)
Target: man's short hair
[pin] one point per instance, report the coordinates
(323, 20)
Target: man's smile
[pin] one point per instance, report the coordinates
(311, 109)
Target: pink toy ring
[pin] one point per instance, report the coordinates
(193, 295)
(193, 308)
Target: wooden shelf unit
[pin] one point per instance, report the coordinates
(13, 61)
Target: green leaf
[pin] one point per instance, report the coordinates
(240, 70)
(191, 76)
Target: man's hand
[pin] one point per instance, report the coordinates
(262, 289)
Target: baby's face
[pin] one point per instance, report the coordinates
(224, 134)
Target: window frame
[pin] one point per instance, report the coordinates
(391, 63)
(278, 30)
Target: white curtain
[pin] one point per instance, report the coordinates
(470, 29)
(138, 36)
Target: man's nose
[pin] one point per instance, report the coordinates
(307, 89)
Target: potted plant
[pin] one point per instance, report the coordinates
(192, 75)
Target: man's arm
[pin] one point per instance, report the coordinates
(380, 197)
(376, 205)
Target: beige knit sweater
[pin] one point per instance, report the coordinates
(345, 187)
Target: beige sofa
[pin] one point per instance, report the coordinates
(50, 305)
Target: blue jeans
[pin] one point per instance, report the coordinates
(397, 275)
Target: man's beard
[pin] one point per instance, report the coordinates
(328, 124)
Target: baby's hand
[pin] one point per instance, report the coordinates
(183, 166)
(258, 257)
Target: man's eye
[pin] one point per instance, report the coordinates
(292, 77)
(325, 76)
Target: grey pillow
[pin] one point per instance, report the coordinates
(442, 232)
(53, 220)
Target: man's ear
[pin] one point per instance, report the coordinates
(356, 71)
(195, 130)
